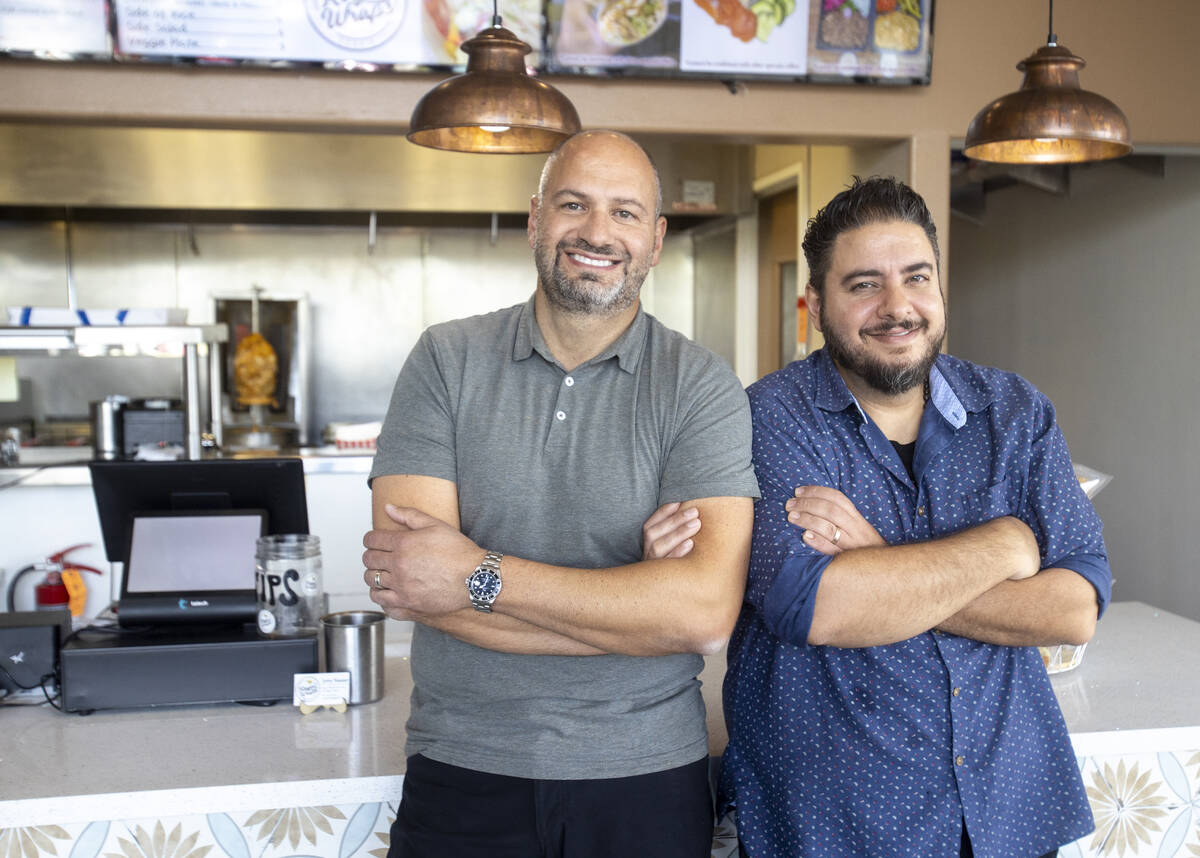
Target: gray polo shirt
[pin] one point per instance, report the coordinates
(561, 468)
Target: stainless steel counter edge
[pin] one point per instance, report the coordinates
(74, 472)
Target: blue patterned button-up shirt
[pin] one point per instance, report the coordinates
(885, 751)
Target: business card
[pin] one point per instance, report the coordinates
(311, 690)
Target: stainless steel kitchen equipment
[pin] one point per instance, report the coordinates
(107, 427)
(284, 322)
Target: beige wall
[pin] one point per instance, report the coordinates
(1139, 55)
(1092, 297)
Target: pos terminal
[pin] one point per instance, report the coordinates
(186, 532)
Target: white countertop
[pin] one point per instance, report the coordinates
(67, 466)
(1138, 674)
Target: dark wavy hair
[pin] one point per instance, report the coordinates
(867, 201)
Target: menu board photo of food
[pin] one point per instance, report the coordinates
(446, 24)
(605, 34)
(883, 39)
(851, 41)
(759, 37)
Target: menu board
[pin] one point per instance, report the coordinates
(881, 39)
(610, 34)
(792, 39)
(816, 40)
(763, 37)
(368, 32)
(55, 28)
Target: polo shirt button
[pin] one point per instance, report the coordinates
(956, 691)
(959, 760)
(920, 510)
(560, 415)
(569, 381)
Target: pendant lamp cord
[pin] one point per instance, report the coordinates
(1051, 39)
(496, 13)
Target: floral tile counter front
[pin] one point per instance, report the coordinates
(249, 782)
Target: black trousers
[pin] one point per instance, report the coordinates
(449, 811)
(966, 852)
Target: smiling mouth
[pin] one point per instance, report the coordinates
(897, 332)
(590, 261)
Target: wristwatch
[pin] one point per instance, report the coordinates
(483, 585)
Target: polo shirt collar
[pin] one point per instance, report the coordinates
(627, 348)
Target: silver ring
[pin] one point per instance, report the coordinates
(379, 586)
(837, 534)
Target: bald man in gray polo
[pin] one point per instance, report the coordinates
(562, 468)
(556, 710)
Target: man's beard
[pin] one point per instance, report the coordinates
(575, 294)
(889, 379)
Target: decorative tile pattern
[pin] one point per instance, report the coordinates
(1145, 805)
(348, 831)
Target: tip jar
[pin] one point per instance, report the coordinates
(287, 573)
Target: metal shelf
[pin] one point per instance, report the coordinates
(26, 339)
(91, 337)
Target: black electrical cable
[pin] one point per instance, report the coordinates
(12, 585)
(17, 682)
(46, 694)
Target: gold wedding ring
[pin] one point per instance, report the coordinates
(379, 586)
(837, 534)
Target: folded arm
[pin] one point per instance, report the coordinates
(983, 583)
(439, 498)
(656, 606)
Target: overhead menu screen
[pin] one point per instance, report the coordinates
(829, 40)
(414, 33)
(54, 28)
(852, 41)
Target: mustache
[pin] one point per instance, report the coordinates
(906, 325)
(583, 245)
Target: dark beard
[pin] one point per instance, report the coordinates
(887, 379)
(572, 295)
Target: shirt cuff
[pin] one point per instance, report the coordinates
(1094, 568)
(789, 604)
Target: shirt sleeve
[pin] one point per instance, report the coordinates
(784, 570)
(709, 455)
(418, 431)
(1057, 509)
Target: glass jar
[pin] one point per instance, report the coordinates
(287, 573)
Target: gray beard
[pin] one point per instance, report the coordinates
(573, 295)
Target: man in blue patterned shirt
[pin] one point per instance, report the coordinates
(920, 532)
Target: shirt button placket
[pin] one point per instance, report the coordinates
(562, 407)
(560, 415)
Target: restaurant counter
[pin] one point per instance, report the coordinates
(249, 780)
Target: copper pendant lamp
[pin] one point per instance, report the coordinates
(494, 107)
(1049, 120)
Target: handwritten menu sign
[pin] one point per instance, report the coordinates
(54, 27)
(382, 32)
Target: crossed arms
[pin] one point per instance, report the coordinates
(983, 583)
(666, 603)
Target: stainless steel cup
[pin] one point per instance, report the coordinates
(106, 426)
(354, 643)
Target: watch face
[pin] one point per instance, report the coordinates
(484, 586)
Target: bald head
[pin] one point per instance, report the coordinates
(600, 144)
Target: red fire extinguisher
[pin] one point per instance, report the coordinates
(53, 591)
